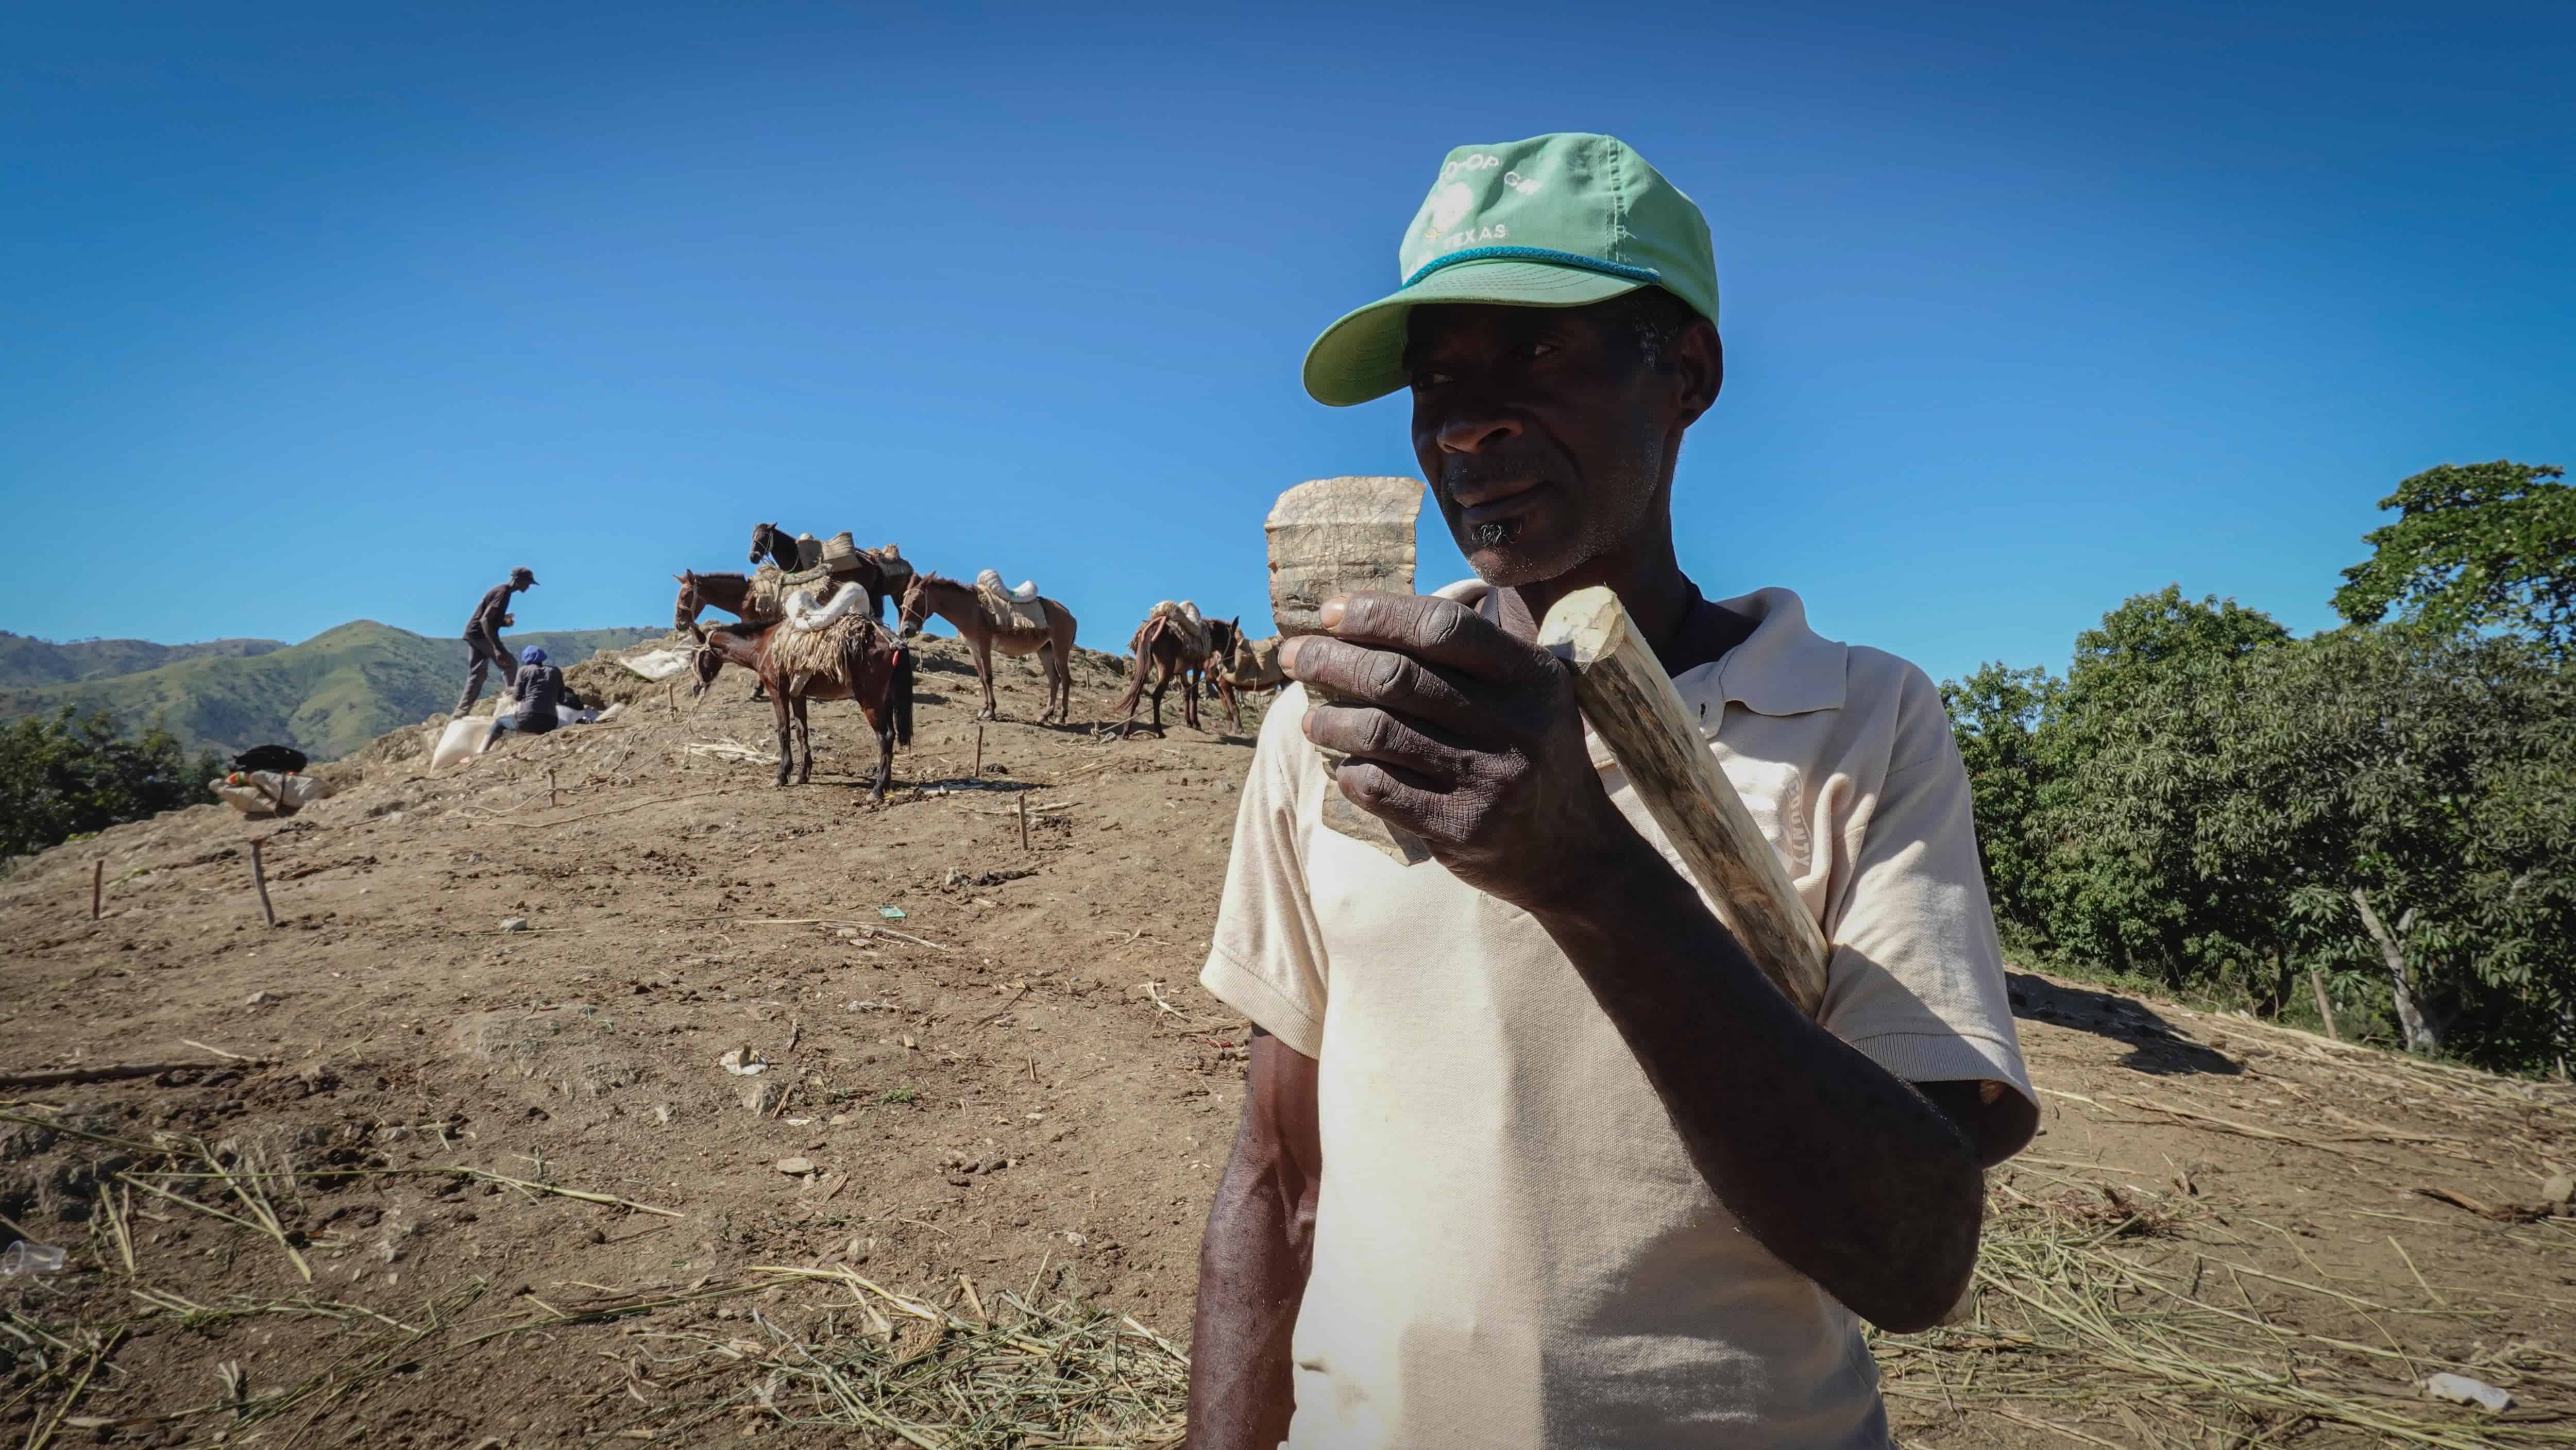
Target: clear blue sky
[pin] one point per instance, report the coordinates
(315, 312)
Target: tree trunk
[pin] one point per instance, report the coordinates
(2410, 1016)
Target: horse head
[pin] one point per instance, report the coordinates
(764, 538)
(915, 610)
(704, 661)
(684, 609)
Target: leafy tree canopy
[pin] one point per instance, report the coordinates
(69, 774)
(2475, 546)
(2151, 633)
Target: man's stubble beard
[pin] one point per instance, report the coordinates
(1608, 517)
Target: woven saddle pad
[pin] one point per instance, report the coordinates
(771, 585)
(1184, 622)
(1011, 614)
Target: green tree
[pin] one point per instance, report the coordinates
(2475, 546)
(1997, 714)
(69, 774)
(2121, 777)
(2410, 797)
(2152, 634)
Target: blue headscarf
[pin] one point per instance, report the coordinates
(532, 656)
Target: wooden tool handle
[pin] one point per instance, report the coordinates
(1633, 707)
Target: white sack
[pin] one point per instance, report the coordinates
(269, 792)
(462, 739)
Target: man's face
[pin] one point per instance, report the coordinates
(1543, 432)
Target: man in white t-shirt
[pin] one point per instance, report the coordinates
(1532, 1154)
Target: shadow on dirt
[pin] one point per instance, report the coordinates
(2154, 1046)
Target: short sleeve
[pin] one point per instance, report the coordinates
(1266, 960)
(1917, 977)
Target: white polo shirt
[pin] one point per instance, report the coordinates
(1511, 1245)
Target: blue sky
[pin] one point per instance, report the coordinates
(323, 312)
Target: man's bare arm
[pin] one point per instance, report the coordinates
(1253, 1263)
(1851, 1176)
(1470, 739)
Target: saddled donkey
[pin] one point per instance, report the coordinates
(1167, 648)
(961, 606)
(1245, 667)
(848, 658)
(882, 572)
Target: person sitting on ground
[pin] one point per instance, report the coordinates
(534, 693)
(483, 636)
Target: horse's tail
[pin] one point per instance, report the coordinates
(901, 688)
(1143, 645)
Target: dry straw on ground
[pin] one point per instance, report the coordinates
(2076, 1334)
(1019, 1368)
(2107, 1314)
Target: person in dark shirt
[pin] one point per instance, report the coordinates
(534, 693)
(483, 636)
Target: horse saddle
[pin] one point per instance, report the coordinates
(990, 581)
(1187, 624)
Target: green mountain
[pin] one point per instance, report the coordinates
(327, 696)
(25, 661)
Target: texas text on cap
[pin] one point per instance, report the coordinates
(1554, 221)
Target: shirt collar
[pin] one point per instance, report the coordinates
(1782, 668)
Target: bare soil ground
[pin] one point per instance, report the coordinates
(482, 1187)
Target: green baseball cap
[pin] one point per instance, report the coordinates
(1554, 221)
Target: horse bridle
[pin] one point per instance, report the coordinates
(905, 627)
(685, 609)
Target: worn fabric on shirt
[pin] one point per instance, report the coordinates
(535, 693)
(1511, 1244)
(485, 622)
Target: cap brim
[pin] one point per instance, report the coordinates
(1362, 356)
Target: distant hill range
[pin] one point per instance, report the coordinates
(326, 697)
(25, 661)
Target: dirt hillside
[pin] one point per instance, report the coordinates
(454, 1182)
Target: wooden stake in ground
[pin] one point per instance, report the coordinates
(554, 797)
(1632, 705)
(979, 751)
(1024, 820)
(2325, 1008)
(97, 885)
(259, 878)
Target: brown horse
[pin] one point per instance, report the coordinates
(1223, 635)
(860, 662)
(783, 549)
(882, 572)
(1162, 656)
(701, 592)
(958, 603)
(1244, 667)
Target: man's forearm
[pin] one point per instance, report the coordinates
(1252, 1278)
(1845, 1172)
